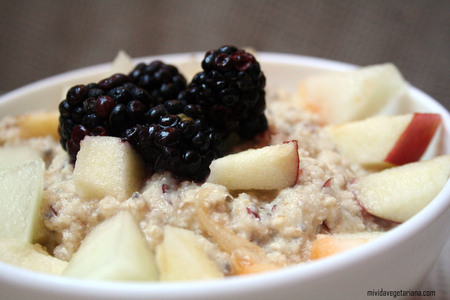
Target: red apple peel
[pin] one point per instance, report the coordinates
(415, 139)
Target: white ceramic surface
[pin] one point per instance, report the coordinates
(399, 260)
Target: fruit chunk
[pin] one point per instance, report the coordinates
(21, 189)
(326, 245)
(39, 124)
(122, 63)
(163, 141)
(29, 256)
(233, 84)
(271, 167)
(106, 108)
(180, 257)
(107, 166)
(114, 250)
(351, 95)
(11, 157)
(415, 139)
(385, 140)
(398, 193)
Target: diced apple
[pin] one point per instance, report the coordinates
(122, 63)
(39, 124)
(267, 168)
(11, 157)
(414, 141)
(116, 250)
(180, 257)
(21, 189)
(399, 193)
(107, 166)
(385, 140)
(326, 245)
(340, 97)
(30, 256)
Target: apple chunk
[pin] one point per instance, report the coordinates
(179, 257)
(122, 63)
(326, 245)
(385, 140)
(114, 250)
(415, 139)
(399, 193)
(21, 189)
(11, 157)
(39, 124)
(107, 166)
(267, 168)
(30, 256)
(340, 97)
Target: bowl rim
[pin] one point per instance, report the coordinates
(232, 285)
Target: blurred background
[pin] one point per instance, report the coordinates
(43, 38)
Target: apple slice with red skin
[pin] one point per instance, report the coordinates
(398, 193)
(267, 168)
(414, 141)
(383, 141)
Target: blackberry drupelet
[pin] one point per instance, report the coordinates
(230, 89)
(108, 107)
(161, 80)
(175, 140)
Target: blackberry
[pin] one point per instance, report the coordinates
(162, 81)
(174, 140)
(175, 127)
(108, 107)
(231, 91)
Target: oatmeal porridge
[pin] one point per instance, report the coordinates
(236, 228)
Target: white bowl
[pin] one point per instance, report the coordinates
(399, 260)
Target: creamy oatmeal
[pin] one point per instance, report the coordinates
(234, 177)
(282, 222)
